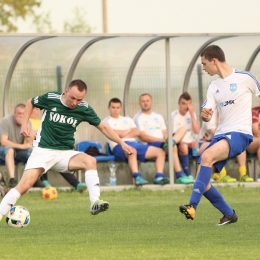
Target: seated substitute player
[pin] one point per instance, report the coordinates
(207, 132)
(54, 143)
(153, 132)
(231, 96)
(254, 147)
(185, 116)
(128, 131)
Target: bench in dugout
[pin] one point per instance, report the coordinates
(84, 145)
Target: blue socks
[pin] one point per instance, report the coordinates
(216, 199)
(185, 163)
(136, 174)
(180, 174)
(159, 175)
(200, 185)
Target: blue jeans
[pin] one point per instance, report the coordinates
(19, 155)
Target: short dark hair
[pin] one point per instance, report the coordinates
(145, 94)
(213, 51)
(81, 85)
(114, 100)
(185, 95)
(22, 105)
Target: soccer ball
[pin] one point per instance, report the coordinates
(18, 217)
(49, 193)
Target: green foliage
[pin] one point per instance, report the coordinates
(77, 24)
(140, 224)
(11, 10)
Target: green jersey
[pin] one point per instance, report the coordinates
(59, 122)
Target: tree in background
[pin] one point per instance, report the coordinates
(11, 10)
(77, 24)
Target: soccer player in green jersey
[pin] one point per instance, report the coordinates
(54, 143)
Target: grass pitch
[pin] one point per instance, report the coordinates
(139, 224)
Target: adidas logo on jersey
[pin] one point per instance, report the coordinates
(54, 109)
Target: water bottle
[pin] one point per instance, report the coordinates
(112, 168)
(195, 150)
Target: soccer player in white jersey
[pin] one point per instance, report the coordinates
(231, 96)
(207, 132)
(54, 143)
(185, 116)
(153, 132)
(126, 128)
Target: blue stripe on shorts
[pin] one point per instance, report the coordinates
(140, 148)
(238, 143)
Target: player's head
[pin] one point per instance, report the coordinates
(211, 56)
(115, 107)
(184, 101)
(74, 93)
(18, 113)
(213, 52)
(145, 102)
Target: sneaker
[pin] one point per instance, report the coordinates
(161, 180)
(184, 180)
(227, 179)
(81, 187)
(139, 181)
(46, 183)
(215, 176)
(246, 178)
(188, 211)
(12, 182)
(99, 206)
(228, 219)
(165, 145)
(191, 178)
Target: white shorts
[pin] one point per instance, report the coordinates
(49, 159)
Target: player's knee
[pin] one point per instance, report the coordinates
(206, 158)
(90, 163)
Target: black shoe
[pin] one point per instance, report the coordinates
(12, 182)
(228, 219)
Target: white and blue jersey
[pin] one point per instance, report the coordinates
(232, 97)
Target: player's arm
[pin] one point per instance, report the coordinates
(148, 138)
(25, 128)
(206, 114)
(6, 142)
(113, 136)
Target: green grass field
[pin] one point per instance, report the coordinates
(140, 224)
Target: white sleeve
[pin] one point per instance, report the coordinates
(210, 102)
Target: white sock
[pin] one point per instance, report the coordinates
(10, 198)
(92, 182)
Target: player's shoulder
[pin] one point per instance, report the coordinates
(84, 104)
(137, 115)
(175, 113)
(53, 95)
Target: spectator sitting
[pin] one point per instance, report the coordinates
(153, 132)
(69, 177)
(12, 147)
(127, 130)
(254, 147)
(186, 117)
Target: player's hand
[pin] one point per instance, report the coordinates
(190, 108)
(128, 149)
(206, 114)
(25, 130)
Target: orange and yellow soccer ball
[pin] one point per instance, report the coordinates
(49, 193)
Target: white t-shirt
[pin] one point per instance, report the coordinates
(179, 120)
(120, 123)
(232, 97)
(205, 133)
(153, 124)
